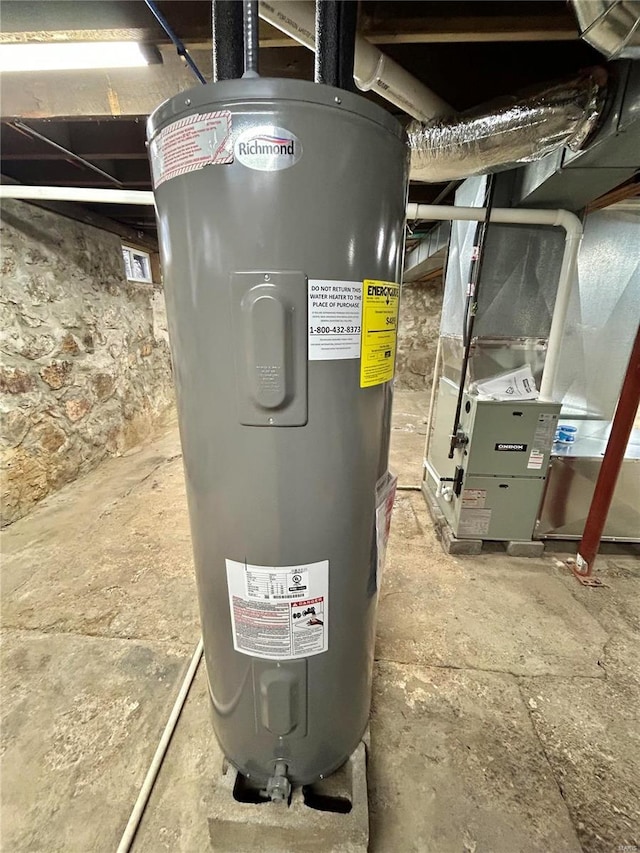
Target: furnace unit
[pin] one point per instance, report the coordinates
(493, 486)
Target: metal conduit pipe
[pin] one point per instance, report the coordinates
(251, 40)
(373, 70)
(520, 216)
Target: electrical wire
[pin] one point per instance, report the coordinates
(179, 44)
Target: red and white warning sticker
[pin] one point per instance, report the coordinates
(279, 612)
(190, 144)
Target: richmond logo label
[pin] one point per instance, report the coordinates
(268, 148)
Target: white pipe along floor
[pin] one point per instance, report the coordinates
(505, 694)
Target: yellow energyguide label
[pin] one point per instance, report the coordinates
(380, 303)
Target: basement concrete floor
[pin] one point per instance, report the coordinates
(506, 706)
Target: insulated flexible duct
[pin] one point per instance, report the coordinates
(501, 135)
(490, 138)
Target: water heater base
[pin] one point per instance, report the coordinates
(309, 823)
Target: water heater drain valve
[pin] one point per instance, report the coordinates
(278, 786)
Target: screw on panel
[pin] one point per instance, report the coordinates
(267, 277)
(338, 100)
(187, 103)
(271, 420)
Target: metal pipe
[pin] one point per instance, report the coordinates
(251, 42)
(81, 194)
(527, 216)
(25, 128)
(179, 45)
(227, 38)
(373, 70)
(621, 427)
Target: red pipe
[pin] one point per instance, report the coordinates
(621, 427)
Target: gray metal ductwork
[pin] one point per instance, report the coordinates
(490, 138)
(498, 136)
(611, 26)
(573, 179)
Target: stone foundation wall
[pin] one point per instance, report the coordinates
(85, 366)
(418, 327)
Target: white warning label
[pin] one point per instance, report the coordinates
(545, 431)
(474, 522)
(190, 144)
(474, 498)
(335, 316)
(542, 440)
(536, 458)
(279, 612)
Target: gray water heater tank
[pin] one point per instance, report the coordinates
(281, 211)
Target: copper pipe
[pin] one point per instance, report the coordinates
(612, 462)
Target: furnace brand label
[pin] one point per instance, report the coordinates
(511, 447)
(279, 612)
(380, 303)
(190, 144)
(335, 316)
(268, 148)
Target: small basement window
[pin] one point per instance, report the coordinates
(137, 265)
